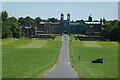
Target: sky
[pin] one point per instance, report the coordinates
(60, 0)
(77, 10)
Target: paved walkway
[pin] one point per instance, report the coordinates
(63, 67)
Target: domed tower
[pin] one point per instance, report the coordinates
(90, 18)
(62, 16)
(68, 17)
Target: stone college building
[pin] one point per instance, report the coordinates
(88, 27)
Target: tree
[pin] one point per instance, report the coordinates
(52, 20)
(112, 29)
(113, 34)
(5, 25)
(21, 21)
(119, 31)
(13, 20)
(79, 21)
(4, 15)
(16, 31)
(0, 25)
(29, 21)
(14, 27)
(37, 20)
(5, 30)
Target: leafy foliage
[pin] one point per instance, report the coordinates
(37, 20)
(5, 30)
(10, 27)
(0, 25)
(52, 20)
(112, 30)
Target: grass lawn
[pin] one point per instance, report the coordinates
(90, 50)
(28, 58)
(119, 58)
(58, 38)
(0, 59)
(72, 38)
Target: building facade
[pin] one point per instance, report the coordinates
(65, 26)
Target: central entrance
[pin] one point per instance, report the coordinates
(65, 27)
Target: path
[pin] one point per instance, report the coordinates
(63, 67)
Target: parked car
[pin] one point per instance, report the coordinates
(98, 61)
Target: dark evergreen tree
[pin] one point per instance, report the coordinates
(4, 15)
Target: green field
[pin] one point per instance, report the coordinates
(33, 58)
(0, 59)
(29, 58)
(119, 58)
(91, 50)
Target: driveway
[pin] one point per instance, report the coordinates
(63, 67)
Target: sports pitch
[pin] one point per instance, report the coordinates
(91, 50)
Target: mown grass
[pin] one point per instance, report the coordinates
(35, 44)
(15, 43)
(85, 69)
(0, 59)
(22, 61)
(58, 38)
(72, 38)
(119, 59)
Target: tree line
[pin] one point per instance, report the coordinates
(28, 21)
(11, 26)
(112, 30)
